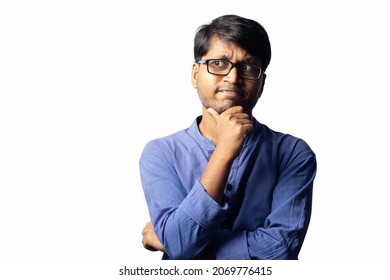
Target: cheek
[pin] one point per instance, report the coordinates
(255, 93)
(257, 89)
(205, 84)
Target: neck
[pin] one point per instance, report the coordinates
(207, 126)
(206, 130)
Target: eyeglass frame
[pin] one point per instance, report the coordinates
(233, 64)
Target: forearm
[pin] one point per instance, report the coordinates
(216, 173)
(230, 131)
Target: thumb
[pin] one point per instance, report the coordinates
(212, 112)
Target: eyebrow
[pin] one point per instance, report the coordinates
(250, 60)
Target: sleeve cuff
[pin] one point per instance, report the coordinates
(204, 210)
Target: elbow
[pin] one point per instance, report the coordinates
(277, 249)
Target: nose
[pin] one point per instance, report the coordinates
(233, 76)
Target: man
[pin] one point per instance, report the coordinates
(228, 187)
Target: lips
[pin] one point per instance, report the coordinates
(230, 92)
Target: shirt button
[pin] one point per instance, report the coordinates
(229, 187)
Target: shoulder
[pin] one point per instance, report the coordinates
(286, 148)
(163, 144)
(284, 141)
(171, 145)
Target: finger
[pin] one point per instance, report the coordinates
(150, 248)
(212, 112)
(244, 123)
(146, 245)
(147, 226)
(235, 110)
(242, 116)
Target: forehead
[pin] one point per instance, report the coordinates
(227, 49)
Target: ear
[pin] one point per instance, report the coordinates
(194, 74)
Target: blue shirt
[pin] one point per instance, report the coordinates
(266, 206)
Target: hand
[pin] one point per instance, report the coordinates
(233, 126)
(150, 240)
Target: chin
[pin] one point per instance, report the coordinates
(226, 105)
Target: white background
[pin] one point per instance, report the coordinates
(85, 84)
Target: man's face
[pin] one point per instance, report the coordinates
(223, 92)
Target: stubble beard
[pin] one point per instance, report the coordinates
(220, 107)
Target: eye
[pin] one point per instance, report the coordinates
(247, 67)
(217, 63)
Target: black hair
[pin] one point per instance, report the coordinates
(246, 33)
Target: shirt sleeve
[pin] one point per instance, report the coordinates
(184, 221)
(285, 228)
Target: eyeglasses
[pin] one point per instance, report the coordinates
(222, 67)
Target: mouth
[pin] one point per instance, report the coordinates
(230, 93)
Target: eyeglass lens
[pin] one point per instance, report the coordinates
(223, 67)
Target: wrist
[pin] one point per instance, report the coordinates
(224, 155)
